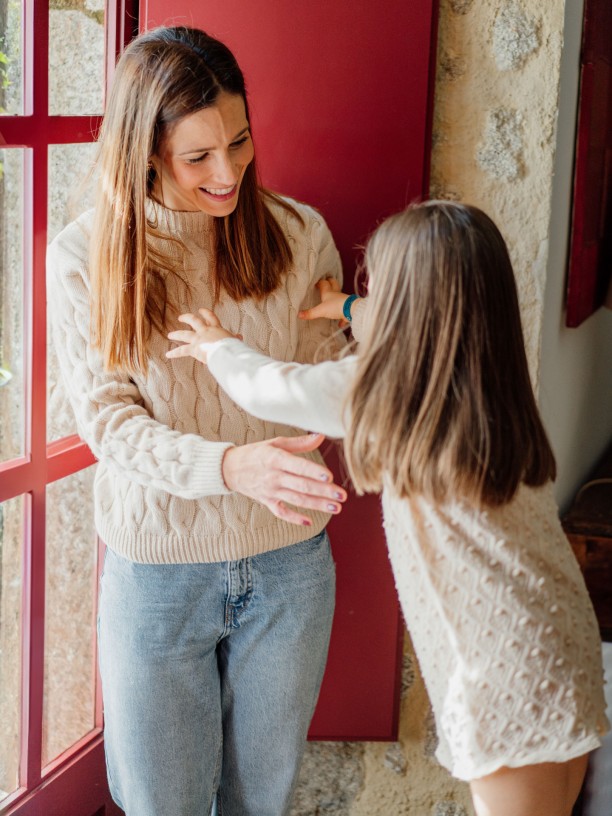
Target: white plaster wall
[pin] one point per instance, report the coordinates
(576, 364)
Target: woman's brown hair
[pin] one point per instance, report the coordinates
(443, 403)
(163, 76)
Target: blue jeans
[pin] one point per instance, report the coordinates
(210, 675)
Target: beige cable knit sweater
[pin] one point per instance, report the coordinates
(160, 437)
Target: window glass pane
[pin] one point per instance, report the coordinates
(71, 192)
(12, 379)
(11, 71)
(11, 548)
(76, 57)
(71, 185)
(71, 593)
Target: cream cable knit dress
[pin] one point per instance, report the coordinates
(160, 437)
(495, 603)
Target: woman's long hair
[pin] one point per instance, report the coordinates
(163, 76)
(443, 404)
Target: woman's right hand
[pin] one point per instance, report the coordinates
(272, 474)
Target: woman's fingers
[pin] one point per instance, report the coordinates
(270, 472)
(288, 514)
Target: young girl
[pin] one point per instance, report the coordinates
(437, 409)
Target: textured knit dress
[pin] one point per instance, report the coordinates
(495, 603)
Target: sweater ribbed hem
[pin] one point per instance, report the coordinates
(229, 545)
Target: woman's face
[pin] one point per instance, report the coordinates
(204, 158)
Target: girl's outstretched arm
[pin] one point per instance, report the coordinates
(332, 306)
(309, 396)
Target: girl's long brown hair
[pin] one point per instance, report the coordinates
(443, 403)
(163, 76)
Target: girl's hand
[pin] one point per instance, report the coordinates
(332, 301)
(272, 474)
(206, 330)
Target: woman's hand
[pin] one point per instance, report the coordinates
(332, 301)
(206, 330)
(272, 474)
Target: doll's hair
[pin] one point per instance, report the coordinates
(163, 76)
(443, 404)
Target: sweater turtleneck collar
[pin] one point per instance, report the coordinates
(177, 221)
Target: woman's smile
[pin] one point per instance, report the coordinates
(224, 194)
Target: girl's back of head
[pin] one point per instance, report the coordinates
(443, 403)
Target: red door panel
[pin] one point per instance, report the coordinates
(340, 100)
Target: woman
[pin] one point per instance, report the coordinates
(215, 612)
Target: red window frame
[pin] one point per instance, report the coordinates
(590, 267)
(75, 782)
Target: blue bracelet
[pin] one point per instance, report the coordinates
(346, 306)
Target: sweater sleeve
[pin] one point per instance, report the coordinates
(310, 396)
(108, 406)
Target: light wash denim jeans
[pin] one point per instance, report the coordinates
(210, 675)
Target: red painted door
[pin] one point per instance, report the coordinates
(589, 280)
(340, 99)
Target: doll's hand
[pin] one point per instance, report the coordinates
(332, 301)
(206, 330)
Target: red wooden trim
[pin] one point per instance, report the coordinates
(41, 130)
(27, 58)
(67, 456)
(589, 274)
(33, 632)
(581, 279)
(15, 478)
(122, 26)
(431, 87)
(25, 618)
(71, 751)
(99, 716)
(39, 58)
(18, 476)
(63, 793)
(28, 293)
